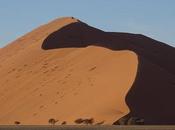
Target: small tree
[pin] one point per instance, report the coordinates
(52, 121)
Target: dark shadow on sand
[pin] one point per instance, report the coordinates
(152, 95)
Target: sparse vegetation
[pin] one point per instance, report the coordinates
(52, 121)
(135, 121)
(129, 120)
(123, 120)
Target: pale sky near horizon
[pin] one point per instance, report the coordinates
(154, 18)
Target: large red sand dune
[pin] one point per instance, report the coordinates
(67, 70)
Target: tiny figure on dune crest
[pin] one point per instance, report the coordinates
(52, 121)
(17, 122)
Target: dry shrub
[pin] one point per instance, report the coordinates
(79, 121)
(17, 122)
(64, 123)
(84, 121)
(88, 121)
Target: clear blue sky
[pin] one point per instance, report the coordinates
(154, 18)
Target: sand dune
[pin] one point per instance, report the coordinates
(67, 70)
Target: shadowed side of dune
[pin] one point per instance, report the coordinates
(72, 35)
(81, 35)
(151, 96)
(157, 52)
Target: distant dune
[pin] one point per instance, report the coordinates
(67, 72)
